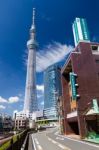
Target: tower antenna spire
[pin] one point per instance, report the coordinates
(33, 16)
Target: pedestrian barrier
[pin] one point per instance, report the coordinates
(15, 142)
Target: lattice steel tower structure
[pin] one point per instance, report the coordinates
(30, 103)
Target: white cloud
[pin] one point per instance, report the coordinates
(13, 99)
(9, 100)
(2, 100)
(40, 88)
(51, 54)
(2, 107)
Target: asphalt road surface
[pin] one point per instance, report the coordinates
(46, 140)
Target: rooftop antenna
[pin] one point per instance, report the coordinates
(33, 16)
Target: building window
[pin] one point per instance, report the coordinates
(95, 48)
(78, 49)
(98, 74)
(97, 60)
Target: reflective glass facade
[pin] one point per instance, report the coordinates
(52, 87)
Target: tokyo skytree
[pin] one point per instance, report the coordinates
(30, 103)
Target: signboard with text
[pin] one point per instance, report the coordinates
(73, 87)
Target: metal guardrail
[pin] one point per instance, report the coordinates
(24, 144)
(16, 141)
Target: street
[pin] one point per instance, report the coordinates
(46, 140)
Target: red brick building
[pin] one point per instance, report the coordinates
(84, 62)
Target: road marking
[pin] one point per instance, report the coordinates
(59, 138)
(39, 147)
(53, 141)
(56, 133)
(33, 143)
(49, 139)
(36, 141)
(63, 147)
(80, 141)
(60, 145)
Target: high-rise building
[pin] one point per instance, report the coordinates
(6, 123)
(52, 90)
(80, 30)
(30, 103)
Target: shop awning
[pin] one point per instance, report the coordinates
(92, 112)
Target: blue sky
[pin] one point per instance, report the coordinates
(54, 20)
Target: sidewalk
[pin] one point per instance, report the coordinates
(74, 136)
(77, 137)
(92, 137)
(96, 140)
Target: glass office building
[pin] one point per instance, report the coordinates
(52, 90)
